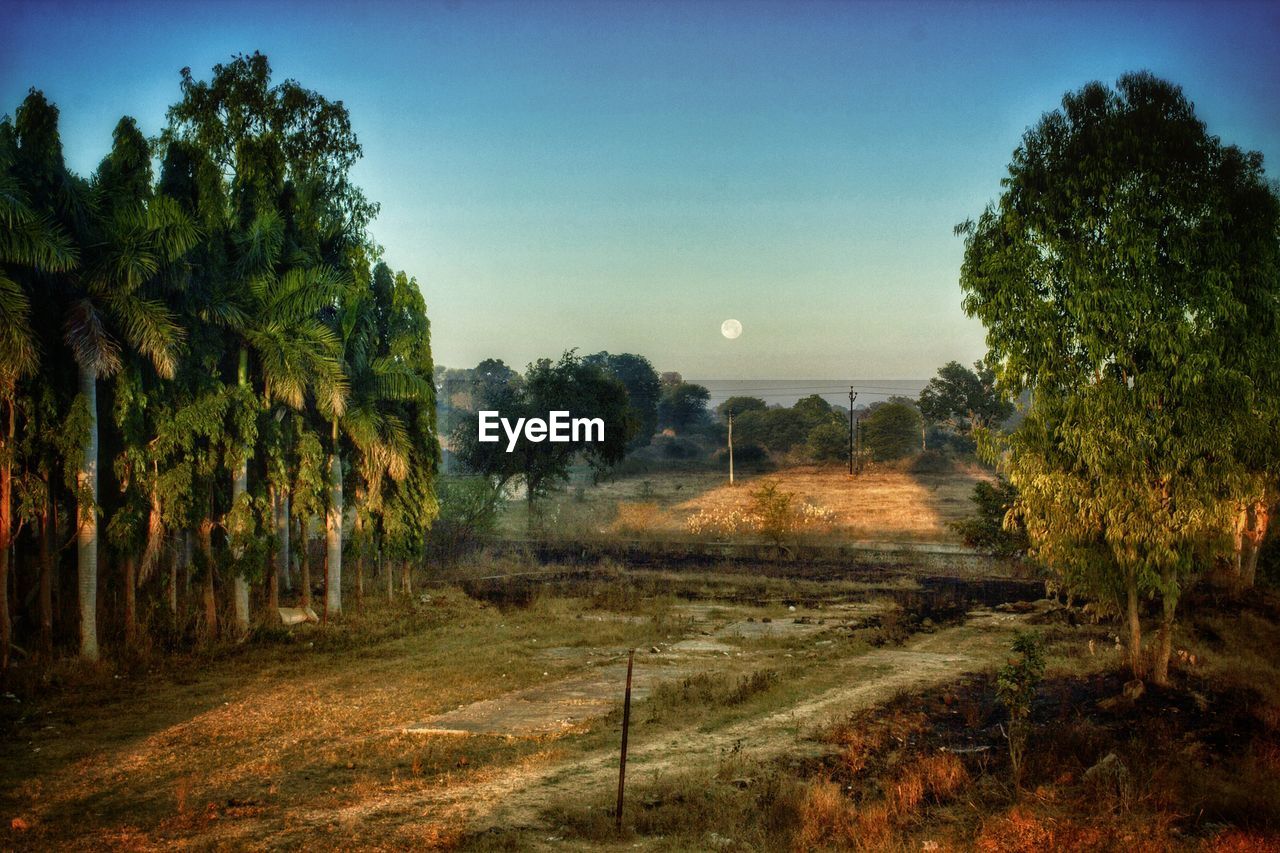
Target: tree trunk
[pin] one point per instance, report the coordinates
(210, 630)
(48, 538)
(360, 579)
(1135, 626)
(239, 486)
(87, 523)
(6, 535)
(273, 573)
(406, 579)
(386, 568)
(184, 564)
(282, 534)
(333, 537)
(1164, 645)
(304, 550)
(130, 601)
(1259, 517)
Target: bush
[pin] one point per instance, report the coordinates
(1016, 686)
(828, 442)
(891, 431)
(932, 462)
(749, 453)
(994, 529)
(468, 512)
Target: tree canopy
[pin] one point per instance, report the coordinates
(1127, 277)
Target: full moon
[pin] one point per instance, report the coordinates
(730, 329)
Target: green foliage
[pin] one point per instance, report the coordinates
(683, 406)
(828, 442)
(964, 399)
(572, 385)
(1128, 277)
(776, 510)
(740, 406)
(996, 528)
(891, 431)
(1016, 684)
(644, 390)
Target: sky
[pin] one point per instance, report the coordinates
(626, 176)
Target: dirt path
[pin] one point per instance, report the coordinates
(516, 796)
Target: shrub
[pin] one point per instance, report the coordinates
(931, 462)
(995, 529)
(1016, 686)
(636, 518)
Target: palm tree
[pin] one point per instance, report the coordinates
(30, 243)
(285, 353)
(132, 238)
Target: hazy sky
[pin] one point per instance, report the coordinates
(625, 176)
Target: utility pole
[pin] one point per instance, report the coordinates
(731, 447)
(853, 395)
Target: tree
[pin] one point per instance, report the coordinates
(683, 406)
(738, 406)
(283, 153)
(828, 442)
(31, 244)
(1128, 278)
(125, 238)
(644, 389)
(567, 385)
(891, 431)
(963, 399)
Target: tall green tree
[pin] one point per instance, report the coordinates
(283, 153)
(1127, 277)
(964, 400)
(31, 245)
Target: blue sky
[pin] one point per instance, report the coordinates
(625, 176)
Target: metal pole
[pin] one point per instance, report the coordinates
(730, 447)
(626, 722)
(852, 396)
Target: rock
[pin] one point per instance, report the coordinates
(1109, 777)
(1133, 690)
(297, 615)
(653, 650)
(792, 608)
(742, 782)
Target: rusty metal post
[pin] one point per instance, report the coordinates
(626, 722)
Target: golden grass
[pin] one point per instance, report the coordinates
(880, 505)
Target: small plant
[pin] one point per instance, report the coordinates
(1016, 686)
(774, 507)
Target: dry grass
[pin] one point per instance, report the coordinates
(881, 505)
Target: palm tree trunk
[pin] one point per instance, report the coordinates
(210, 599)
(87, 527)
(406, 579)
(6, 535)
(130, 601)
(282, 543)
(48, 518)
(304, 551)
(333, 535)
(238, 487)
(386, 568)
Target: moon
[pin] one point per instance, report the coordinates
(730, 329)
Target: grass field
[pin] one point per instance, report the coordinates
(882, 504)
(770, 713)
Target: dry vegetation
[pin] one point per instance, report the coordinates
(883, 504)
(847, 722)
